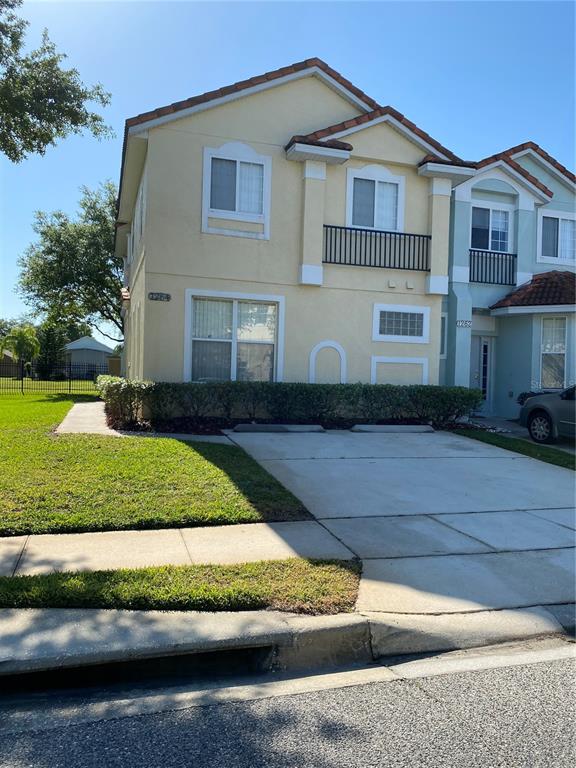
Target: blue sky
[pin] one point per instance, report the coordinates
(478, 76)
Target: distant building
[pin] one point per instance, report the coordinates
(88, 351)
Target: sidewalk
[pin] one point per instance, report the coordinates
(218, 545)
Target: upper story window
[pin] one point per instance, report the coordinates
(236, 187)
(491, 229)
(375, 199)
(557, 236)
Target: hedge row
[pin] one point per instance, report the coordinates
(164, 404)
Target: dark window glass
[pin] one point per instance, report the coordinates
(549, 237)
(480, 228)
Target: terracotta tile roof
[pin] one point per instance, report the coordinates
(381, 112)
(544, 289)
(242, 85)
(544, 155)
(505, 157)
(332, 144)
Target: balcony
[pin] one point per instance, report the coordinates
(373, 248)
(492, 267)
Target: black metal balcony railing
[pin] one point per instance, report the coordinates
(492, 267)
(374, 248)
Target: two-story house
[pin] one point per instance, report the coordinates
(509, 320)
(284, 228)
(289, 228)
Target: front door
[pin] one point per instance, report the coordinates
(480, 368)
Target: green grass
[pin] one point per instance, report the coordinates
(534, 450)
(65, 483)
(302, 586)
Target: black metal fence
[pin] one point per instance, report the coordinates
(374, 248)
(492, 267)
(58, 377)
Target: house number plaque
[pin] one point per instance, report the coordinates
(159, 296)
(463, 323)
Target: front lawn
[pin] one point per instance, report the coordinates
(301, 586)
(66, 483)
(534, 450)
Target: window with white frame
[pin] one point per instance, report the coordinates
(557, 241)
(553, 353)
(490, 229)
(393, 322)
(233, 340)
(375, 199)
(236, 186)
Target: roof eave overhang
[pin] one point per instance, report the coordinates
(455, 173)
(301, 152)
(534, 309)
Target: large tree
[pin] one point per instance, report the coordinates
(72, 273)
(40, 101)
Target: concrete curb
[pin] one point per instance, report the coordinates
(38, 640)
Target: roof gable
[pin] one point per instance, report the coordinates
(380, 115)
(87, 342)
(545, 159)
(309, 67)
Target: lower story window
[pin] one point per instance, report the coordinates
(233, 340)
(395, 322)
(553, 352)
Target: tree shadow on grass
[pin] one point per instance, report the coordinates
(272, 501)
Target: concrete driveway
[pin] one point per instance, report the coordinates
(444, 524)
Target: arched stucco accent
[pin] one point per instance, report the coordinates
(314, 354)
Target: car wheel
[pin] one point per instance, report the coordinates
(540, 427)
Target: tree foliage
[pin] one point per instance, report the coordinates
(40, 101)
(22, 342)
(72, 274)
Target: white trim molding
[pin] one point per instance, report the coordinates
(528, 194)
(311, 274)
(552, 214)
(190, 293)
(375, 173)
(411, 308)
(437, 284)
(303, 152)
(404, 130)
(328, 344)
(376, 359)
(239, 152)
(460, 274)
(541, 309)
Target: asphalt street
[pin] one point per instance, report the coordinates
(516, 716)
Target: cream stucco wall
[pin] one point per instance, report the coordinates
(180, 257)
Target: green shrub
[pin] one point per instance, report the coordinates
(227, 403)
(123, 399)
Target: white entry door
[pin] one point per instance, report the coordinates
(481, 368)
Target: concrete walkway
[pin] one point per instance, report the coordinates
(26, 555)
(444, 524)
(90, 419)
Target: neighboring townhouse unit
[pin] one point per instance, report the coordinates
(289, 228)
(284, 228)
(509, 320)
